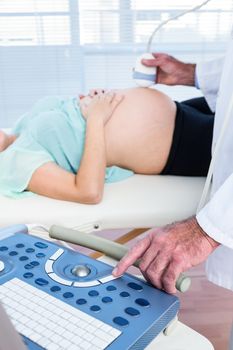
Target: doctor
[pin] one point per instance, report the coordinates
(168, 251)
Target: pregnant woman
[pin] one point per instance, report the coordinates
(68, 148)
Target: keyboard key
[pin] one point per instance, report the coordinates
(51, 323)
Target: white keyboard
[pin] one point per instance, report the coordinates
(51, 323)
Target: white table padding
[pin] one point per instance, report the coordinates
(139, 201)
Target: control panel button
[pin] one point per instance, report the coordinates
(111, 288)
(86, 284)
(124, 294)
(59, 279)
(132, 311)
(107, 278)
(93, 293)
(41, 282)
(57, 254)
(81, 271)
(95, 308)
(13, 253)
(2, 266)
(28, 266)
(68, 295)
(3, 248)
(81, 301)
(23, 258)
(19, 245)
(120, 321)
(49, 266)
(142, 302)
(106, 300)
(40, 255)
(30, 250)
(41, 245)
(134, 286)
(28, 275)
(55, 289)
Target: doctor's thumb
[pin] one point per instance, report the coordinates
(151, 63)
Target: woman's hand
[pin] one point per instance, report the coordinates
(101, 105)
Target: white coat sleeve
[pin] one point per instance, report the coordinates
(216, 218)
(208, 75)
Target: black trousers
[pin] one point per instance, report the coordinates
(190, 153)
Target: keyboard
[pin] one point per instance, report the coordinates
(61, 299)
(51, 323)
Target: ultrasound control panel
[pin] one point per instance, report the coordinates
(134, 309)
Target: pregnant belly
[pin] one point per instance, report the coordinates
(139, 133)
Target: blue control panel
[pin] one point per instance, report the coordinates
(127, 303)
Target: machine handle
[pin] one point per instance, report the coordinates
(110, 248)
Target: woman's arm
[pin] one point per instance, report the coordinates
(87, 185)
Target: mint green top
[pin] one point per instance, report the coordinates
(53, 131)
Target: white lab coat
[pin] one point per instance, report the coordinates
(216, 218)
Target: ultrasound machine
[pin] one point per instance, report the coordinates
(57, 298)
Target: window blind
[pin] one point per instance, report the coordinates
(63, 47)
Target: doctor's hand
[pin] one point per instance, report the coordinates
(166, 252)
(171, 71)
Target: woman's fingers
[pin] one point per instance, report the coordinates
(116, 100)
(94, 92)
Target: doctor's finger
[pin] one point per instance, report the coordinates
(170, 276)
(160, 55)
(151, 62)
(156, 269)
(134, 253)
(147, 258)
